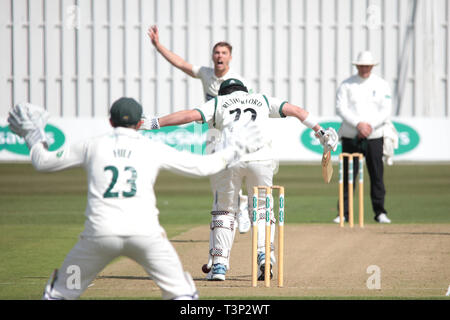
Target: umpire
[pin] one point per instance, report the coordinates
(364, 103)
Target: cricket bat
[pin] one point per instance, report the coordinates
(327, 166)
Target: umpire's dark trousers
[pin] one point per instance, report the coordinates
(373, 153)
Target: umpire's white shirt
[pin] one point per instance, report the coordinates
(122, 167)
(367, 100)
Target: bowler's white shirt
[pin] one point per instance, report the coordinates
(122, 167)
(211, 83)
(363, 100)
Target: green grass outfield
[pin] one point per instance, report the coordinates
(42, 214)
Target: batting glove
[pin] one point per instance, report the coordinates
(328, 138)
(149, 123)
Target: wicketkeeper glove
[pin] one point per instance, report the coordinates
(241, 138)
(28, 121)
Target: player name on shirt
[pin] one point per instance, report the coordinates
(236, 100)
(122, 153)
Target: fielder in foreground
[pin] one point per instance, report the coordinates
(235, 105)
(121, 212)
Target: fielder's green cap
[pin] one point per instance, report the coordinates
(126, 111)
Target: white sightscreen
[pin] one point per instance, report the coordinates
(76, 56)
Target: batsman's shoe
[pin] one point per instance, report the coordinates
(243, 221)
(382, 218)
(262, 267)
(217, 273)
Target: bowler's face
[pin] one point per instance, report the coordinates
(221, 58)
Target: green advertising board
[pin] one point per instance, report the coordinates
(15, 144)
(408, 138)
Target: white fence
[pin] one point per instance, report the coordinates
(77, 56)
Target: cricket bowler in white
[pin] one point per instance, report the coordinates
(211, 79)
(234, 104)
(121, 213)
